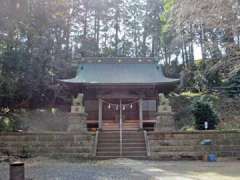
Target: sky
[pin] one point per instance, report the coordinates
(197, 52)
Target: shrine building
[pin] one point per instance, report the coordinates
(120, 93)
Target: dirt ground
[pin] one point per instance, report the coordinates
(126, 169)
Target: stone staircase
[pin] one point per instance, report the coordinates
(133, 145)
(127, 125)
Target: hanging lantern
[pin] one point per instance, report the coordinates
(109, 106)
(131, 106)
(117, 107)
(124, 107)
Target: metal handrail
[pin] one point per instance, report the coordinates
(120, 141)
(120, 128)
(96, 143)
(147, 144)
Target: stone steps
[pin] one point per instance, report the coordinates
(109, 145)
(125, 149)
(115, 157)
(127, 125)
(124, 141)
(124, 154)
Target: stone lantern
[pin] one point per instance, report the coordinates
(164, 117)
(77, 116)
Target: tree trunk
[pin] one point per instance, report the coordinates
(183, 57)
(202, 41)
(229, 39)
(85, 23)
(153, 46)
(98, 34)
(116, 31)
(96, 31)
(144, 47)
(135, 43)
(191, 49)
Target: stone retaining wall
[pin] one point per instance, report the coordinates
(186, 145)
(175, 145)
(47, 144)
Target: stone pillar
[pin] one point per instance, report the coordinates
(164, 117)
(77, 122)
(77, 117)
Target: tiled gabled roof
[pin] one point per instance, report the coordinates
(120, 71)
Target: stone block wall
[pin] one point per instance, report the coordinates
(186, 145)
(47, 144)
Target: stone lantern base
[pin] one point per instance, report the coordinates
(77, 122)
(165, 122)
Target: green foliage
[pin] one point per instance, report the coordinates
(167, 6)
(8, 124)
(203, 112)
(184, 105)
(232, 87)
(208, 98)
(183, 115)
(188, 128)
(172, 70)
(33, 51)
(26, 152)
(184, 119)
(214, 79)
(39, 39)
(200, 79)
(200, 82)
(191, 94)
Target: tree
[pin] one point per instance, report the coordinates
(33, 50)
(207, 17)
(203, 112)
(40, 39)
(233, 86)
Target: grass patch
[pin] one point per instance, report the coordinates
(191, 94)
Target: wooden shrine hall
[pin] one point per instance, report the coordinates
(119, 92)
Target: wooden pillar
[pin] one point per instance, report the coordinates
(100, 103)
(140, 102)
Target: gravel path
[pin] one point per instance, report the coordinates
(59, 170)
(125, 169)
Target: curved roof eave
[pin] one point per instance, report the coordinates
(120, 74)
(72, 81)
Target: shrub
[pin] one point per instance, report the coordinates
(233, 86)
(203, 112)
(26, 152)
(8, 124)
(214, 79)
